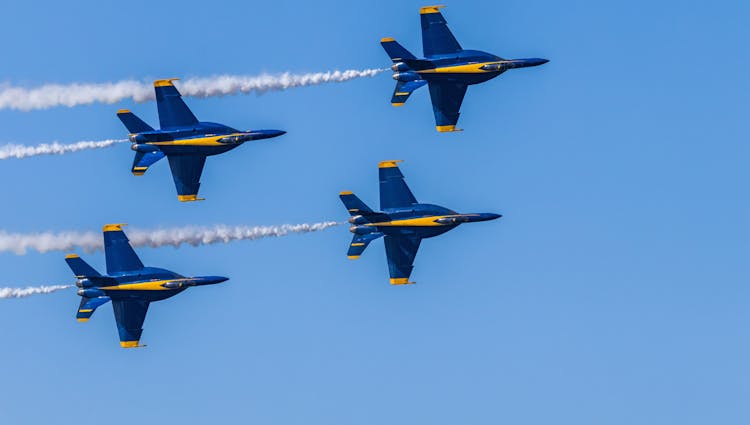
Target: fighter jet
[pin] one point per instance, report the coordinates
(128, 284)
(184, 140)
(403, 221)
(447, 69)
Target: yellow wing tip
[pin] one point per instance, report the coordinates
(71, 256)
(431, 9)
(116, 227)
(387, 39)
(445, 128)
(401, 281)
(352, 257)
(346, 192)
(82, 319)
(398, 104)
(129, 344)
(391, 163)
(123, 111)
(189, 198)
(164, 83)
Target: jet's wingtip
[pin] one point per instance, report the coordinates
(123, 111)
(164, 83)
(353, 257)
(430, 9)
(387, 39)
(71, 256)
(345, 192)
(448, 128)
(116, 227)
(189, 198)
(390, 163)
(401, 281)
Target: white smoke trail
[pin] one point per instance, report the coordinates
(75, 94)
(55, 148)
(31, 290)
(20, 243)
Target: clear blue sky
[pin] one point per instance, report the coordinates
(613, 291)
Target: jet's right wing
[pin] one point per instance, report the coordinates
(394, 192)
(130, 315)
(186, 172)
(401, 250)
(437, 39)
(446, 103)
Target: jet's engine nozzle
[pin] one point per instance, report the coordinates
(362, 230)
(90, 293)
(399, 67)
(84, 283)
(357, 219)
(405, 77)
(144, 148)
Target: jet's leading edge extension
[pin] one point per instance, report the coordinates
(403, 221)
(128, 284)
(184, 140)
(447, 68)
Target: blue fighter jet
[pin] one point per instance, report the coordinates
(128, 284)
(184, 140)
(447, 69)
(404, 222)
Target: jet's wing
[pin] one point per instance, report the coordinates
(173, 112)
(394, 192)
(401, 250)
(118, 252)
(446, 103)
(130, 315)
(437, 39)
(88, 306)
(142, 161)
(186, 172)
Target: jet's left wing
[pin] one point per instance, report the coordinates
(446, 103)
(130, 315)
(401, 250)
(186, 172)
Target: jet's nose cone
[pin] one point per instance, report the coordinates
(537, 61)
(490, 216)
(267, 134)
(212, 280)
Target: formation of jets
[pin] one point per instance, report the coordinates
(446, 68)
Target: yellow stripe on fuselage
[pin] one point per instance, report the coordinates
(471, 68)
(413, 222)
(153, 285)
(197, 141)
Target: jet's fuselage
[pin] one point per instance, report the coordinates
(149, 284)
(422, 220)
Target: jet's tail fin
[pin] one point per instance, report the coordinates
(79, 267)
(88, 306)
(395, 51)
(118, 252)
(359, 244)
(132, 122)
(403, 90)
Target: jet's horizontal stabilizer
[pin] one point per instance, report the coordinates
(88, 306)
(360, 243)
(132, 122)
(143, 160)
(404, 90)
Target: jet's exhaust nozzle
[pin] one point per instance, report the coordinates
(399, 67)
(357, 219)
(405, 77)
(362, 230)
